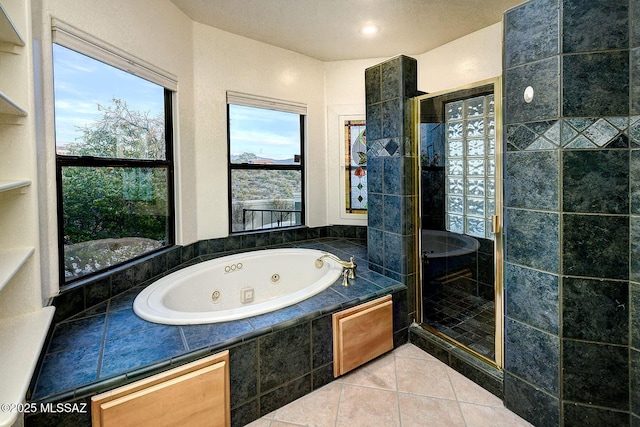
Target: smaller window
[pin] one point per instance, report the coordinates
(266, 168)
(355, 166)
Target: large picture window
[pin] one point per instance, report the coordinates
(114, 164)
(266, 165)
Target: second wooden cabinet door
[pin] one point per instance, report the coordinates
(362, 333)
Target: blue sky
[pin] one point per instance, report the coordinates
(81, 83)
(266, 133)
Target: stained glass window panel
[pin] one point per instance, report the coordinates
(355, 166)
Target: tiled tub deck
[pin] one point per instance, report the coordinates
(275, 357)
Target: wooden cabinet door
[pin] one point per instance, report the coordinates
(362, 333)
(196, 394)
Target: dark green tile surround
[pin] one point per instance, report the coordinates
(571, 199)
(275, 358)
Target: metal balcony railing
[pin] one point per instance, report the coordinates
(269, 218)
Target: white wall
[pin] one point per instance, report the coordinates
(223, 61)
(470, 59)
(344, 98)
(473, 58)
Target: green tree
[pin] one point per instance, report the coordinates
(115, 202)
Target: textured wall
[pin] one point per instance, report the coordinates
(571, 277)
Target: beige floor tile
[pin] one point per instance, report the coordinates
(470, 392)
(379, 373)
(281, 424)
(317, 409)
(407, 387)
(487, 416)
(421, 411)
(424, 377)
(367, 407)
(412, 352)
(260, 422)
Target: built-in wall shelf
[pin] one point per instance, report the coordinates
(8, 107)
(8, 32)
(22, 338)
(10, 263)
(12, 185)
(24, 323)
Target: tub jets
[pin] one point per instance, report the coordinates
(349, 271)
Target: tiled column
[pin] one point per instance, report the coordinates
(532, 225)
(390, 164)
(572, 230)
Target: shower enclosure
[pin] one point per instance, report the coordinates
(460, 294)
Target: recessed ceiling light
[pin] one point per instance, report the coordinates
(369, 30)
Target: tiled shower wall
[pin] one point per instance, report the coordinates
(572, 198)
(390, 166)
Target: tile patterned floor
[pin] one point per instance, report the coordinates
(405, 388)
(456, 310)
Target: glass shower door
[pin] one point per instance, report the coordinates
(461, 288)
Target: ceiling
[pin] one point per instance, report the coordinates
(329, 30)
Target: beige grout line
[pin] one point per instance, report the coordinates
(395, 376)
(335, 423)
(456, 396)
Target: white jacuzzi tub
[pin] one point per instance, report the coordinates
(236, 286)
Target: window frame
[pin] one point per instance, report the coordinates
(90, 47)
(346, 211)
(276, 105)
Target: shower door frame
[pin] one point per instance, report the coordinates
(497, 221)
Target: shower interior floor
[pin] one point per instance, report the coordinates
(406, 387)
(455, 309)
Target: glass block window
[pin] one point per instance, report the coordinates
(470, 166)
(355, 166)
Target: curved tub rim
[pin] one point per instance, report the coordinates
(143, 310)
(475, 244)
